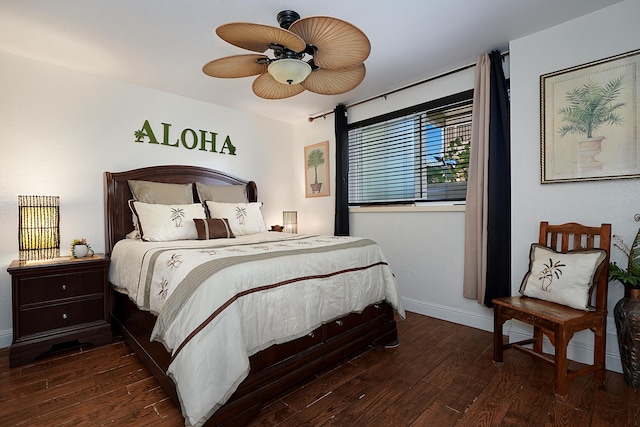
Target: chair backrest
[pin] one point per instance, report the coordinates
(573, 236)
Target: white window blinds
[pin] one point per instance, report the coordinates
(421, 155)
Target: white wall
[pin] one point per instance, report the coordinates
(315, 214)
(60, 130)
(425, 248)
(605, 33)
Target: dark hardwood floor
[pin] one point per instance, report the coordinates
(441, 375)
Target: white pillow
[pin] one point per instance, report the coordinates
(163, 223)
(563, 278)
(244, 218)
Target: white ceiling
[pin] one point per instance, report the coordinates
(163, 44)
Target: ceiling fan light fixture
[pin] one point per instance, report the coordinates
(289, 70)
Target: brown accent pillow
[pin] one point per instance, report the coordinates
(213, 228)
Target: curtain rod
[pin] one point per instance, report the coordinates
(384, 95)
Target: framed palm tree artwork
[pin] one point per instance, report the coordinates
(589, 121)
(316, 163)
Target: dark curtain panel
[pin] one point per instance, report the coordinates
(499, 188)
(341, 222)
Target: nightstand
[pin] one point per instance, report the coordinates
(58, 301)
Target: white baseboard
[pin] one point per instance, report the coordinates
(578, 350)
(6, 337)
(450, 314)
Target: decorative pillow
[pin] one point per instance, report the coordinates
(161, 192)
(244, 218)
(222, 193)
(564, 278)
(213, 228)
(163, 223)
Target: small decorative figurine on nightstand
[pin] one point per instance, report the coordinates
(80, 248)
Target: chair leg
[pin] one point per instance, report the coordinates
(561, 362)
(498, 346)
(538, 336)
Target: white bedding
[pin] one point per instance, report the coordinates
(244, 294)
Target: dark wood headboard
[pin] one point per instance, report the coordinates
(117, 194)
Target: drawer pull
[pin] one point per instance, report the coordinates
(311, 335)
(339, 322)
(64, 287)
(64, 315)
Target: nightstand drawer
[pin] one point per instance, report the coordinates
(46, 318)
(59, 286)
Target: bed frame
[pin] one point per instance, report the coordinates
(274, 369)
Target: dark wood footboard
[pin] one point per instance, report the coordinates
(274, 369)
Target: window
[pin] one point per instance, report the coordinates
(417, 154)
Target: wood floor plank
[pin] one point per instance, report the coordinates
(51, 399)
(461, 393)
(509, 379)
(437, 414)
(319, 411)
(78, 382)
(371, 403)
(275, 414)
(486, 412)
(567, 416)
(531, 406)
(121, 410)
(82, 393)
(446, 371)
(408, 407)
(442, 374)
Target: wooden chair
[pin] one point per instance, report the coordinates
(558, 322)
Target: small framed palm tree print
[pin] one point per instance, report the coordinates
(316, 164)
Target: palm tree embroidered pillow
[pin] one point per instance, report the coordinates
(164, 223)
(244, 218)
(563, 278)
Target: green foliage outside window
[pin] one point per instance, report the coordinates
(453, 165)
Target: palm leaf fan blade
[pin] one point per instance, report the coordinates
(236, 66)
(265, 86)
(332, 82)
(340, 44)
(257, 37)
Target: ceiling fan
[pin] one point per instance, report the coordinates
(321, 54)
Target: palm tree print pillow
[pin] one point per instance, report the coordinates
(165, 223)
(244, 218)
(564, 278)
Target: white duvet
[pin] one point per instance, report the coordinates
(220, 301)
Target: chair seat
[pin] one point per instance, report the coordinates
(551, 311)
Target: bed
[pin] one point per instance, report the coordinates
(275, 363)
